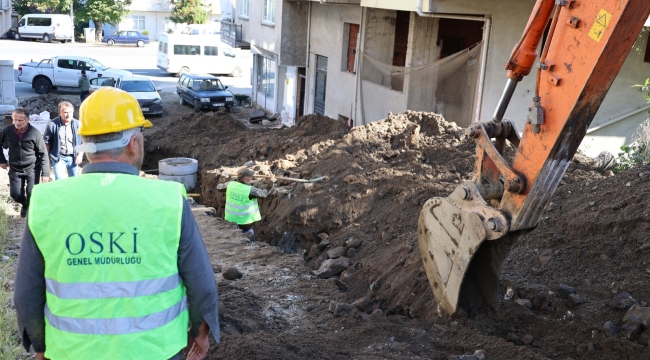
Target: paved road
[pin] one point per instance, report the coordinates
(140, 61)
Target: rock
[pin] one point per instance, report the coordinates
(565, 290)
(337, 252)
(308, 186)
(642, 313)
(323, 236)
(216, 268)
(364, 304)
(622, 301)
(611, 328)
(527, 339)
(575, 299)
(352, 253)
(231, 273)
(608, 173)
(525, 302)
(592, 203)
(512, 337)
(323, 244)
(11, 253)
(343, 309)
(9, 285)
(644, 337)
(313, 252)
(478, 355)
(353, 243)
(339, 284)
(378, 313)
(332, 267)
(545, 256)
(632, 328)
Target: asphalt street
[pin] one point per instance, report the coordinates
(138, 60)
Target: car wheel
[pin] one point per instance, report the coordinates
(17, 37)
(46, 38)
(140, 43)
(197, 105)
(180, 100)
(236, 72)
(63, 41)
(183, 70)
(110, 42)
(42, 86)
(248, 102)
(228, 109)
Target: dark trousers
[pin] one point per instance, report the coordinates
(83, 95)
(21, 183)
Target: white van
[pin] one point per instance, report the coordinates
(45, 26)
(179, 54)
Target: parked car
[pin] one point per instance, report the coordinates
(139, 86)
(130, 37)
(204, 92)
(63, 72)
(45, 26)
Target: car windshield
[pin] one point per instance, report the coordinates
(207, 84)
(137, 86)
(96, 64)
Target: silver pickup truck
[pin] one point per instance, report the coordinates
(63, 72)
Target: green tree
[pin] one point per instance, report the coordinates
(189, 12)
(23, 7)
(102, 12)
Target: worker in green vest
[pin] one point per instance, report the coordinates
(241, 202)
(112, 265)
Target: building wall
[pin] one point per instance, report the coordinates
(294, 33)
(327, 35)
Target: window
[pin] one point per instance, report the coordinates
(138, 22)
(65, 64)
(350, 35)
(243, 9)
(266, 76)
(211, 51)
(268, 16)
(228, 52)
(38, 21)
(187, 50)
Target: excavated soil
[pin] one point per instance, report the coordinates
(559, 282)
(565, 286)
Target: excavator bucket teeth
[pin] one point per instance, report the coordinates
(462, 242)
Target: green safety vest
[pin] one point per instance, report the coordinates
(110, 244)
(239, 208)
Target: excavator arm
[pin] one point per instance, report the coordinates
(465, 237)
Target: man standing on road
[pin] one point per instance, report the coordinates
(126, 274)
(26, 150)
(241, 202)
(61, 139)
(84, 86)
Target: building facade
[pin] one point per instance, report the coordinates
(154, 16)
(365, 58)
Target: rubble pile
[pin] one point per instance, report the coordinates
(567, 286)
(49, 103)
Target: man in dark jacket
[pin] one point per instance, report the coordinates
(61, 139)
(26, 149)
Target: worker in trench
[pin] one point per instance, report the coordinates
(241, 201)
(125, 274)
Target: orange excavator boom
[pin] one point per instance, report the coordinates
(463, 239)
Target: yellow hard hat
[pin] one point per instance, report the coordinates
(110, 110)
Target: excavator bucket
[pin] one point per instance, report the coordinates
(463, 242)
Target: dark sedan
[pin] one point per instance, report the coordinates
(130, 37)
(204, 91)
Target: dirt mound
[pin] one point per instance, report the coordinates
(559, 281)
(49, 103)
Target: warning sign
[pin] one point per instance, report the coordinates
(600, 25)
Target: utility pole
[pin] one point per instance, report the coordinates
(72, 17)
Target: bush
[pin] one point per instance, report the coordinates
(145, 32)
(638, 152)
